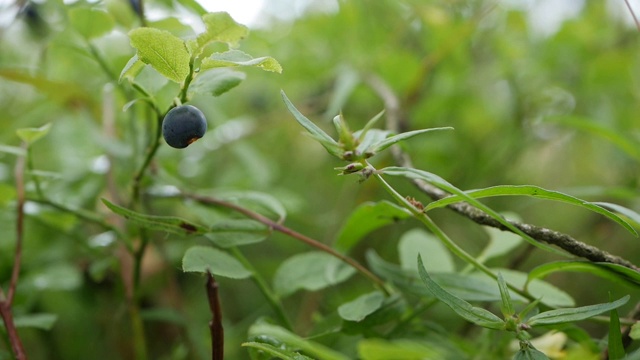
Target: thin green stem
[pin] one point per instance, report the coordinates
(151, 152)
(446, 241)
(85, 215)
(30, 167)
(262, 284)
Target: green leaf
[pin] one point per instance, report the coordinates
(630, 214)
(31, 135)
(364, 219)
(91, 23)
(635, 331)
(376, 148)
(598, 269)
(358, 309)
(325, 140)
(533, 191)
(62, 92)
(368, 139)
(275, 351)
(205, 259)
(547, 293)
(615, 349)
(216, 82)
(131, 69)
(170, 224)
(368, 126)
(463, 286)
(628, 145)
(258, 201)
(162, 50)
(236, 232)
(560, 316)
(13, 150)
(59, 277)
(194, 6)
(500, 242)
(315, 350)
(220, 27)
(506, 306)
(470, 313)
(38, 321)
(418, 241)
(530, 353)
(442, 184)
(310, 271)
(233, 58)
(401, 349)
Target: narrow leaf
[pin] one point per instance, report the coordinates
(170, 224)
(205, 259)
(463, 286)
(632, 215)
(533, 191)
(632, 278)
(314, 349)
(276, 351)
(506, 306)
(470, 313)
(368, 126)
(575, 314)
(616, 349)
(399, 349)
(442, 184)
(233, 58)
(369, 139)
(403, 136)
(317, 133)
(164, 51)
(366, 218)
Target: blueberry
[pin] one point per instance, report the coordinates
(183, 125)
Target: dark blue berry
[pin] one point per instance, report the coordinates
(183, 125)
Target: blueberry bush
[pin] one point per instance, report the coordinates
(371, 180)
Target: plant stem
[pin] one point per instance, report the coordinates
(446, 241)
(264, 288)
(151, 152)
(215, 325)
(85, 215)
(291, 233)
(6, 302)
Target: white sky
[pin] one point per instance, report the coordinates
(546, 16)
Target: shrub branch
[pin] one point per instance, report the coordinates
(395, 122)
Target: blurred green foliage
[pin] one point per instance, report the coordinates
(555, 110)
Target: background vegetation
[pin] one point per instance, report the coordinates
(555, 109)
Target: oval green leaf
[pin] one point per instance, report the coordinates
(205, 259)
(162, 50)
(365, 218)
(358, 309)
(310, 271)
